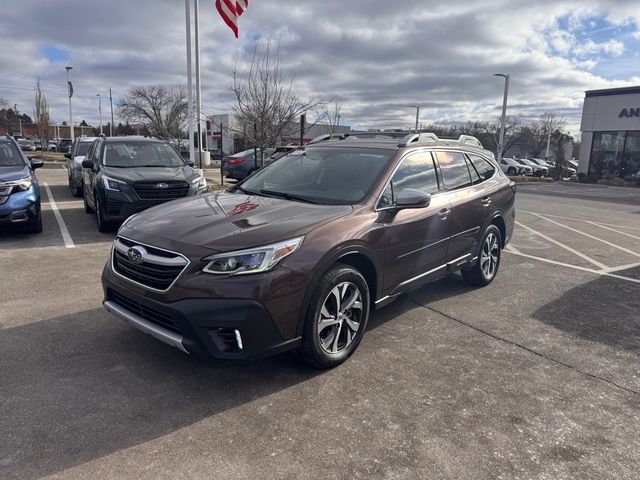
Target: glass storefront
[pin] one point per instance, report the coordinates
(615, 154)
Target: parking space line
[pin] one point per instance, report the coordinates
(68, 241)
(566, 247)
(593, 237)
(623, 267)
(604, 273)
(583, 220)
(614, 230)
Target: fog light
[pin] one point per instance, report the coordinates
(238, 339)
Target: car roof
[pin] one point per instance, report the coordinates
(133, 138)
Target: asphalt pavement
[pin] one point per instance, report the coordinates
(535, 376)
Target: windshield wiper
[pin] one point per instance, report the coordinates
(288, 196)
(246, 192)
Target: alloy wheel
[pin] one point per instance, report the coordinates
(340, 317)
(489, 256)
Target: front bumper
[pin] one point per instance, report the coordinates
(224, 328)
(20, 207)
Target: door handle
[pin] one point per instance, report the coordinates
(444, 213)
(486, 201)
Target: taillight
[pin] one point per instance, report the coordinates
(236, 161)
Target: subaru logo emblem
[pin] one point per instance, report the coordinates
(136, 254)
(162, 185)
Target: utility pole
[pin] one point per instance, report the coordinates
(100, 111)
(546, 156)
(111, 125)
(15, 110)
(67, 68)
(506, 76)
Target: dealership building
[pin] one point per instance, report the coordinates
(611, 134)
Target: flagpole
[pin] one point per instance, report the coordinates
(189, 80)
(198, 91)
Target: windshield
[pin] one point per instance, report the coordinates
(82, 148)
(336, 176)
(10, 156)
(141, 154)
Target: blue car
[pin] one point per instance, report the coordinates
(19, 189)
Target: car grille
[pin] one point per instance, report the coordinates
(157, 270)
(150, 314)
(152, 190)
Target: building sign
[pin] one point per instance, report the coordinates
(629, 112)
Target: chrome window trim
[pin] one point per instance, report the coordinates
(150, 246)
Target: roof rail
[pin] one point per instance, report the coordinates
(429, 137)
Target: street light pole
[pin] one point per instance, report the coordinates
(506, 76)
(111, 124)
(417, 107)
(100, 111)
(67, 68)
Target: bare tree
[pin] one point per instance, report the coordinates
(41, 113)
(159, 109)
(265, 98)
(489, 132)
(537, 133)
(331, 114)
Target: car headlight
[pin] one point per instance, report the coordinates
(200, 181)
(21, 185)
(253, 260)
(112, 183)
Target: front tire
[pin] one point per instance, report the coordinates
(336, 318)
(486, 268)
(511, 171)
(103, 226)
(35, 227)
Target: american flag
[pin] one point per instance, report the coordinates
(230, 10)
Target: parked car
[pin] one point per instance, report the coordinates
(37, 143)
(52, 146)
(538, 170)
(298, 254)
(19, 189)
(241, 164)
(64, 145)
(26, 145)
(511, 167)
(125, 175)
(75, 157)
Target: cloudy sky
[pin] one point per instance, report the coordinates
(376, 57)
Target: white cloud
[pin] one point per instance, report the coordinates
(375, 56)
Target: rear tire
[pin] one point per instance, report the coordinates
(336, 318)
(488, 263)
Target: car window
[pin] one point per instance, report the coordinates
(334, 176)
(82, 148)
(10, 156)
(484, 168)
(140, 154)
(455, 173)
(416, 171)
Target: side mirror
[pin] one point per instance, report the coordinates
(412, 198)
(68, 155)
(87, 164)
(36, 163)
(190, 162)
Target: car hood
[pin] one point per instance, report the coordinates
(8, 174)
(227, 221)
(141, 174)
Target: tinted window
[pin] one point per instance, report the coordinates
(416, 171)
(484, 168)
(10, 156)
(82, 148)
(455, 173)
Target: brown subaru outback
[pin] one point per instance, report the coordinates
(298, 254)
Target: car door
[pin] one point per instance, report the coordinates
(415, 238)
(466, 195)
